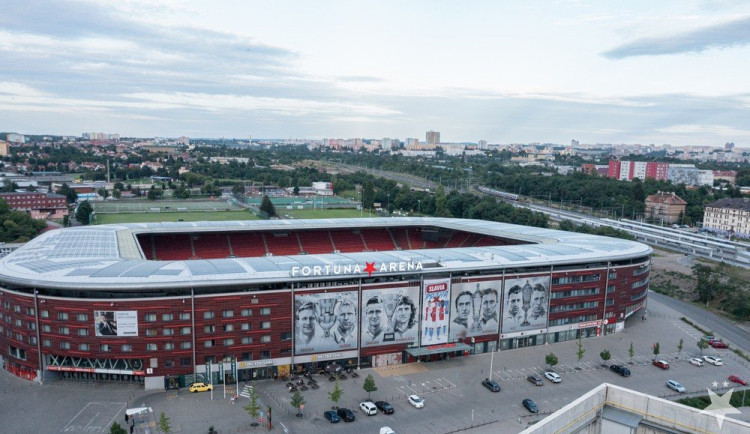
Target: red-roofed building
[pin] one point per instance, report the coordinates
(665, 206)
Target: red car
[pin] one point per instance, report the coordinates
(738, 380)
(718, 344)
(661, 364)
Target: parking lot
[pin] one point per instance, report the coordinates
(454, 397)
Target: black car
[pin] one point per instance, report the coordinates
(492, 386)
(384, 407)
(346, 414)
(625, 372)
(530, 405)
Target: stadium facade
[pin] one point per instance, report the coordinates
(257, 299)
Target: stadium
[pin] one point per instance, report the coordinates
(164, 302)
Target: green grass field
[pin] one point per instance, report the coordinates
(323, 214)
(102, 219)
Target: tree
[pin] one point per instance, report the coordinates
(631, 353)
(703, 276)
(657, 349)
(103, 192)
(581, 351)
(605, 355)
(702, 345)
(253, 408)
(298, 401)
(266, 206)
(70, 194)
(164, 424)
(369, 385)
(679, 347)
(551, 360)
(335, 394)
(238, 188)
(83, 212)
(117, 429)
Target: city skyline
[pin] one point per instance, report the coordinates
(670, 73)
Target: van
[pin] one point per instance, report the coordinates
(368, 408)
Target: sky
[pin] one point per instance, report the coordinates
(637, 72)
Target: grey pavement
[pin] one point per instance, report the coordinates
(455, 400)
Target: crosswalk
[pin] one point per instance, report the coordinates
(246, 391)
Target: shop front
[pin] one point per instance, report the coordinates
(434, 353)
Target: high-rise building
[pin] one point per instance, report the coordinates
(433, 137)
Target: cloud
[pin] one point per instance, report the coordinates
(723, 35)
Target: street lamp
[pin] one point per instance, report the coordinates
(419, 206)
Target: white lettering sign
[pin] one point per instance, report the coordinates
(328, 270)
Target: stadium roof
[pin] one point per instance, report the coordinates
(109, 258)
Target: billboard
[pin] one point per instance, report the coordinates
(325, 322)
(436, 308)
(390, 316)
(475, 309)
(525, 304)
(121, 323)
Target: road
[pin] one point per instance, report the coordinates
(716, 324)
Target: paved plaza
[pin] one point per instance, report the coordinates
(455, 399)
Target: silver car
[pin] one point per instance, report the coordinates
(677, 387)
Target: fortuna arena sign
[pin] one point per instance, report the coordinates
(369, 268)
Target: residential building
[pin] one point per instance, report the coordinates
(38, 205)
(433, 137)
(665, 206)
(729, 216)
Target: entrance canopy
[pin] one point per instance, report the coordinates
(438, 349)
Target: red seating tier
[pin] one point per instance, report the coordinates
(173, 247)
(211, 246)
(315, 242)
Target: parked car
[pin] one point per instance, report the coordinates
(661, 364)
(200, 387)
(737, 379)
(492, 386)
(625, 372)
(368, 408)
(719, 344)
(386, 430)
(696, 361)
(709, 338)
(713, 360)
(530, 405)
(346, 414)
(677, 387)
(416, 401)
(384, 407)
(553, 376)
(332, 416)
(535, 380)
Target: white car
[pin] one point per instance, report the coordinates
(386, 430)
(696, 361)
(552, 376)
(677, 387)
(368, 408)
(416, 401)
(713, 360)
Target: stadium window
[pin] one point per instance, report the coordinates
(168, 332)
(168, 346)
(126, 348)
(151, 347)
(30, 311)
(228, 313)
(209, 343)
(149, 317)
(265, 325)
(47, 342)
(246, 312)
(286, 336)
(167, 317)
(245, 326)
(265, 311)
(611, 288)
(265, 339)
(185, 361)
(63, 316)
(32, 340)
(209, 329)
(210, 359)
(185, 345)
(17, 308)
(247, 340)
(45, 314)
(246, 356)
(18, 353)
(83, 347)
(613, 274)
(64, 330)
(228, 342)
(228, 327)
(185, 330)
(31, 325)
(105, 348)
(286, 351)
(82, 317)
(265, 355)
(83, 332)
(46, 328)
(169, 363)
(18, 322)
(208, 315)
(64, 345)
(151, 332)
(185, 316)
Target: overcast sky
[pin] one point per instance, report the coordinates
(504, 71)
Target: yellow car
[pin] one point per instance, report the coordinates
(200, 387)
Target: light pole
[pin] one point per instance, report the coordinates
(388, 206)
(492, 360)
(361, 204)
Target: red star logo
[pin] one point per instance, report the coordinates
(370, 268)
